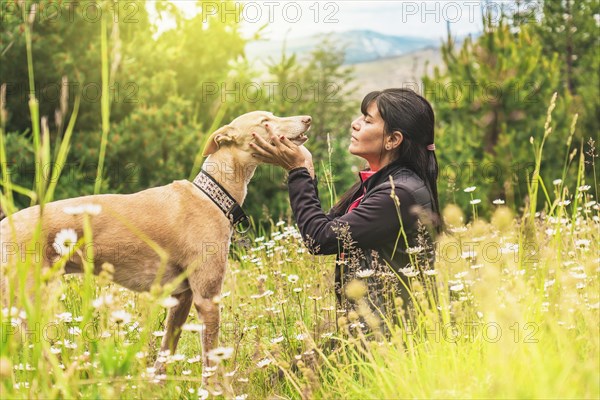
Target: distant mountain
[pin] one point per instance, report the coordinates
(405, 71)
(360, 45)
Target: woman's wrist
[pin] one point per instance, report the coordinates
(292, 167)
(311, 172)
(310, 168)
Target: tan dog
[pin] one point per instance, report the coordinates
(178, 221)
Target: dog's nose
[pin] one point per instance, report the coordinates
(307, 120)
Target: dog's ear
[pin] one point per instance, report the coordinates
(220, 136)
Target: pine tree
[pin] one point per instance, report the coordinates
(570, 29)
(490, 99)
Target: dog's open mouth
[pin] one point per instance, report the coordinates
(299, 140)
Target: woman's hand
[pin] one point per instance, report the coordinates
(283, 153)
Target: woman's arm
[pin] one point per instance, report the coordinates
(307, 210)
(374, 222)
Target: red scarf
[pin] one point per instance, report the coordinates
(364, 175)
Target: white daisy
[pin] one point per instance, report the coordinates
(264, 363)
(278, 339)
(457, 288)
(203, 394)
(409, 272)
(470, 189)
(65, 317)
(102, 300)
(65, 241)
(169, 302)
(365, 273)
(121, 317)
(194, 359)
(74, 331)
(582, 243)
(414, 250)
(220, 353)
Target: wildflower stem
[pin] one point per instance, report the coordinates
(105, 104)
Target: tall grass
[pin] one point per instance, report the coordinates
(105, 104)
(517, 317)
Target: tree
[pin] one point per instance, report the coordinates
(66, 43)
(490, 99)
(570, 29)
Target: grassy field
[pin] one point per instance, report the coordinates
(520, 320)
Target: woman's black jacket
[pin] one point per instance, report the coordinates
(369, 237)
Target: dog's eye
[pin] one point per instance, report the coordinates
(262, 121)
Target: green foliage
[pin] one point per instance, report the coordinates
(489, 100)
(151, 147)
(20, 164)
(191, 59)
(65, 44)
(569, 29)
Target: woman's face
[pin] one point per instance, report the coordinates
(367, 136)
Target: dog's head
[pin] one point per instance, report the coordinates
(238, 134)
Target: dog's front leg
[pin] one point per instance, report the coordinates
(210, 314)
(175, 319)
(206, 284)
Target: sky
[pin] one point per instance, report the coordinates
(393, 17)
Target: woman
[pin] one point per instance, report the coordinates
(368, 228)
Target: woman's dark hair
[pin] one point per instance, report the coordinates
(411, 114)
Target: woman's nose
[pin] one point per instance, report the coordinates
(355, 125)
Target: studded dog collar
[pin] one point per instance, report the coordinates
(232, 210)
